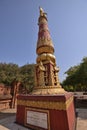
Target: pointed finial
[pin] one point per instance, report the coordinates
(41, 11)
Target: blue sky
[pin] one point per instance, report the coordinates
(67, 21)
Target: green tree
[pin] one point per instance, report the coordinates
(8, 72)
(27, 73)
(77, 76)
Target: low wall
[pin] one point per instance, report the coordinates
(5, 101)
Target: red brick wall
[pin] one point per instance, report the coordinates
(5, 97)
(4, 90)
(4, 104)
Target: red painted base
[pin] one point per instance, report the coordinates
(60, 108)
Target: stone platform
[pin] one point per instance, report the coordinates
(54, 111)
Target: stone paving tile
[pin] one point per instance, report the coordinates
(7, 120)
(9, 124)
(7, 113)
(82, 125)
(82, 119)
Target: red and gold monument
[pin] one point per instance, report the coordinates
(49, 107)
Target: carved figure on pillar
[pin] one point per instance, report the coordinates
(41, 70)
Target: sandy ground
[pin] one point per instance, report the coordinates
(8, 118)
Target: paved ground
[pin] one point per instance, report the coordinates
(82, 119)
(7, 120)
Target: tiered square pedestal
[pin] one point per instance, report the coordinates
(46, 112)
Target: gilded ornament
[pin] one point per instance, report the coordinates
(46, 104)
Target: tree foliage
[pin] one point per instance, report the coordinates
(27, 73)
(77, 76)
(13, 73)
(8, 73)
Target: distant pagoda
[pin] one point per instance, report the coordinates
(46, 77)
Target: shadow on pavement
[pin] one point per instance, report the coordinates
(6, 115)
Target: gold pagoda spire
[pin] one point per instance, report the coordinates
(47, 81)
(45, 48)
